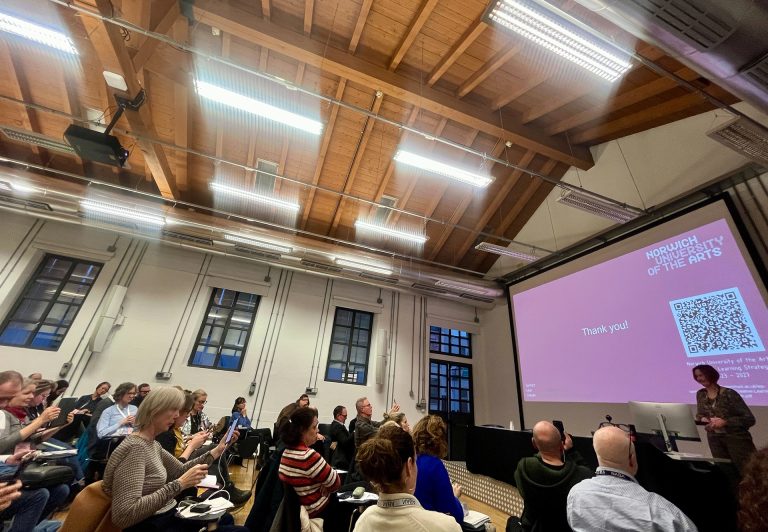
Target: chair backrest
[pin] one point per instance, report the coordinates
(324, 429)
(90, 511)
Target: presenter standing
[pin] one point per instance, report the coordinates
(727, 416)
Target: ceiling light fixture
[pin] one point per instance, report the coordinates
(445, 170)
(258, 243)
(501, 250)
(37, 33)
(121, 212)
(364, 266)
(468, 288)
(255, 107)
(585, 202)
(260, 198)
(388, 231)
(744, 136)
(36, 139)
(540, 23)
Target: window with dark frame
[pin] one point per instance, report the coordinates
(455, 342)
(46, 309)
(225, 331)
(450, 387)
(350, 346)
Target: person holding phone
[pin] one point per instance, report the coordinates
(142, 478)
(118, 419)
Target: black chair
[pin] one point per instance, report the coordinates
(99, 456)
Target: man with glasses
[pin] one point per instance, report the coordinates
(613, 499)
(341, 441)
(144, 390)
(365, 427)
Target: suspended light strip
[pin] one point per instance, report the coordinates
(388, 231)
(445, 170)
(261, 198)
(35, 32)
(255, 107)
(501, 250)
(36, 139)
(472, 289)
(532, 21)
(364, 266)
(258, 243)
(121, 212)
(592, 205)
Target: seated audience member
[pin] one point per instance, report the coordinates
(142, 392)
(399, 419)
(342, 444)
(305, 470)
(142, 478)
(173, 441)
(197, 419)
(118, 419)
(753, 494)
(365, 427)
(61, 387)
(544, 480)
(286, 412)
(241, 409)
(36, 376)
(613, 499)
(433, 485)
(87, 403)
(388, 460)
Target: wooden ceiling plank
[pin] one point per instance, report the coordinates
(365, 8)
(492, 208)
(148, 47)
(309, 8)
(238, 22)
(266, 9)
(530, 190)
(510, 96)
(553, 104)
(226, 48)
(413, 31)
(496, 62)
(137, 12)
(327, 134)
(113, 54)
(360, 153)
(20, 91)
(181, 122)
(464, 42)
(621, 101)
(286, 139)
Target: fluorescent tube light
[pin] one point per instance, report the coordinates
(258, 243)
(364, 266)
(540, 25)
(598, 207)
(255, 107)
(744, 136)
(122, 212)
(36, 139)
(501, 250)
(261, 198)
(469, 288)
(37, 33)
(445, 170)
(387, 231)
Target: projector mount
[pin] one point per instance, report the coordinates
(123, 104)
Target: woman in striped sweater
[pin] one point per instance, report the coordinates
(304, 469)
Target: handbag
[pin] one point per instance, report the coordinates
(46, 475)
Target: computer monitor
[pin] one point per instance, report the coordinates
(667, 419)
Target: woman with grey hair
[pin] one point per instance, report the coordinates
(142, 478)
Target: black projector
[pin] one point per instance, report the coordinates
(95, 146)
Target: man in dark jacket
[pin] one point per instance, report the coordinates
(545, 479)
(342, 444)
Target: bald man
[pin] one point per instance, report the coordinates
(544, 480)
(613, 500)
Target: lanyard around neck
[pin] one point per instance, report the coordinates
(617, 474)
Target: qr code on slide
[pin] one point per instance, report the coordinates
(717, 323)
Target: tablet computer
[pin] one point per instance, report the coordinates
(67, 404)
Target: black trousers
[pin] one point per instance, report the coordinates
(737, 447)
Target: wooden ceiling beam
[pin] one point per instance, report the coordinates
(226, 47)
(413, 31)
(365, 8)
(170, 12)
(253, 29)
(490, 211)
(496, 62)
(286, 139)
(111, 50)
(359, 154)
(327, 134)
(464, 42)
(138, 12)
(621, 101)
(563, 98)
(266, 9)
(309, 8)
(528, 85)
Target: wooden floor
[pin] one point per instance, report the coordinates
(242, 477)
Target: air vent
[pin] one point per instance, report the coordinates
(428, 288)
(703, 24)
(322, 266)
(757, 72)
(379, 278)
(189, 238)
(266, 255)
(744, 136)
(476, 298)
(26, 203)
(265, 176)
(382, 213)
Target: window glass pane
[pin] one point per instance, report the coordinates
(247, 302)
(465, 408)
(343, 317)
(42, 289)
(57, 314)
(464, 371)
(465, 395)
(211, 335)
(341, 334)
(17, 333)
(454, 350)
(363, 320)
(434, 347)
(217, 316)
(464, 334)
(84, 273)
(74, 293)
(49, 337)
(241, 318)
(455, 406)
(454, 340)
(360, 337)
(445, 339)
(335, 371)
(56, 267)
(464, 342)
(360, 375)
(359, 355)
(236, 337)
(230, 358)
(339, 352)
(204, 355)
(30, 310)
(223, 297)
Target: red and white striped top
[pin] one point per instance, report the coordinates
(308, 473)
